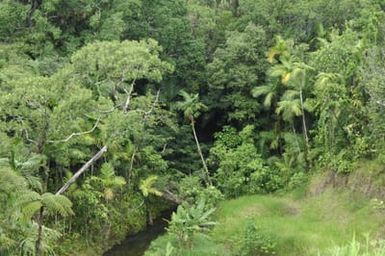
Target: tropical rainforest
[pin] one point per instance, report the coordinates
(261, 123)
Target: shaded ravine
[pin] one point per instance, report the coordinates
(137, 244)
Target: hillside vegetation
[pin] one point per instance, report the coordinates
(112, 111)
(299, 223)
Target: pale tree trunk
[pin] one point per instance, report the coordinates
(208, 180)
(150, 218)
(295, 135)
(304, 129)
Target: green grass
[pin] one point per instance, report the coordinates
(299, 225)
(356, 248)
(302, 226)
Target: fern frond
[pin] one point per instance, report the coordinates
(146, 186)
(30, 209)
(28, 197)
(57, 204)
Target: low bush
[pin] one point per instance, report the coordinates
(256, 243)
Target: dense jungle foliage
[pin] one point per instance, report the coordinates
(112, 111)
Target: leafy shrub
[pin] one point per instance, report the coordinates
(192, 191)
(341, 162)
(264, 178)
(240, 168)
(297, 180)
(255, 242)
(187, 221)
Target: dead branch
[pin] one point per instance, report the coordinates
(76, 134)
(81, 170)
(153, 105)
(129, 93)
(168, 195)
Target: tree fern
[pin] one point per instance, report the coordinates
(110, 181)
(30, 209)
(31, 202)
(10, 181)
(109, 178)
(147, 186)
(57, 204)
(26, 168)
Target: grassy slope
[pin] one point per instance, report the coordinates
(302, 226)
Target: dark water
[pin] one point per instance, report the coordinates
(136, 245)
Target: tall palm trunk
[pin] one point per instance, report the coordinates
(208, 180)
(304, 129)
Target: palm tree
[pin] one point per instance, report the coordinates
(192, 107)
(293, 74)
(33, 204)
(281, 48)
(289, 107)
(269, 91)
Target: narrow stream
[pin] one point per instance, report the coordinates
(137, 244)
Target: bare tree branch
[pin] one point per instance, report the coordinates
(132, 162)
(81, 170)
(164, 148)
(129, 93)
(381, 103)
(153, 105)
(76, 134)
(109, 110)
(27, 137)
(18, 118)
(168, 195)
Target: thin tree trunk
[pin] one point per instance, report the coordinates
(34, 5)
(129, 174)
(295, 136)
(208, 180)
(304, 128)
(38, 247)
(150, 218)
